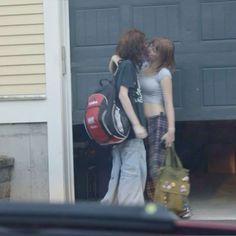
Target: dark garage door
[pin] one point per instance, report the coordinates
(204, 33)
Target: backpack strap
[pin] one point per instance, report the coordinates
(104, 82)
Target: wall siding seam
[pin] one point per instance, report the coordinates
(19, 34)
(36, 54)
(20, 4)
(22, 97)
(39, 11)
(13, 35)
(22, 89)
(22, 14)
(21, 25)
(23, 74)
(14, 74)
(2, 36)
(39, 51)
(26, 74)
(29, 44)
(20, 65)
(28, 14)
(21, 44)
(21, 84)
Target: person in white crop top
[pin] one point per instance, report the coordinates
(156, 85)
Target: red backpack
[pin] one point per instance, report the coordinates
(105, 120)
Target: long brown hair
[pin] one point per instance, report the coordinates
(131, 45)
(164, 49)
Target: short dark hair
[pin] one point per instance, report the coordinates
(131, 45)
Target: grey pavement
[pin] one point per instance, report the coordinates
(213, 196)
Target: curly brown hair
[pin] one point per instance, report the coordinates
(131, 46)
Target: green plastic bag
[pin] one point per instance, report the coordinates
(172, 185)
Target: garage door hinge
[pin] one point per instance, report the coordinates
(63, 58)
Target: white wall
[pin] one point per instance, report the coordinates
(27, 144)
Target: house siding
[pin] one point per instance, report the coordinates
(22, 79)
(22, 62)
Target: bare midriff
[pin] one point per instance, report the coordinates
(153, 109)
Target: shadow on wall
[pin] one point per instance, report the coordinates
(6, 166)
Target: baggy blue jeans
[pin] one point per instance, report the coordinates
(128, 175)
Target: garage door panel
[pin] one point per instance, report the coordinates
(91, 59)
(204, 33)
(91, 4)
(218, 20)
(208, 79)
(217, 79)
(219, 86)
(178, 88)
(78, 116)
(216, 59)
(204, 47)
(162, 20)
(190, 92)
(97, 26)
(85, 84)
(209, 113)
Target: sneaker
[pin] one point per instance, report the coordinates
(186, 213)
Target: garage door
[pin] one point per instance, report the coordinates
(204, 33)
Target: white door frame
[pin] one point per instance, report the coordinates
(59, 118)
(67, 94)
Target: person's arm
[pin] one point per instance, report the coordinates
(113, 63)
(166, 85)
(139, 130)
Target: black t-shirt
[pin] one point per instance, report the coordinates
(127, 76)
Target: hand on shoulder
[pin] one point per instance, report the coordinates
(113, 63)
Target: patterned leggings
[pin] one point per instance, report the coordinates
(157, 127)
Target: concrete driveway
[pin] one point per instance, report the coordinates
(213, 196)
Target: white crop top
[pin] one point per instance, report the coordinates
(151, 87)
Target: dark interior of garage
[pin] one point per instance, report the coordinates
(206, 148)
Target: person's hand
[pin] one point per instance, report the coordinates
(115, 59)
(140, 131)
(113, 63)
(169, 137)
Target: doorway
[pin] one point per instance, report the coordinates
(207, 149)
(92, 166)
(94, 29)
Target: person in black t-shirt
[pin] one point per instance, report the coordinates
(128, 176)
(126, 77)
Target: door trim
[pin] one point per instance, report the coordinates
(68, 126)
(58, 81)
